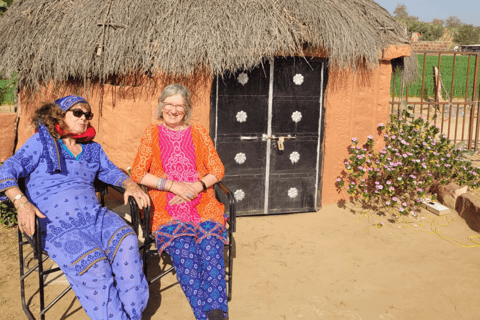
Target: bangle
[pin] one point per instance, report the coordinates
(170, 186)
(203, 185)
(161, 184)
(21, 205)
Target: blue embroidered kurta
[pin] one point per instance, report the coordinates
(78, 233)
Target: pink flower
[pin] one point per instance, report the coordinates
(388, 182)
(354, 139)
(370, 137)
(339, 179)
(392, 189)
(381, 124)
(394, 199)
(404, 204)
(387, 203)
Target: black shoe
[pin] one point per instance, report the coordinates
(216, 314)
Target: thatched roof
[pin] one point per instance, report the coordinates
(64, 39)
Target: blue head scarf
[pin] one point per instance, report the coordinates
(67, 102)
(54, 156)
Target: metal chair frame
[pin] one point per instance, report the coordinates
(41, 256)
(229, 248)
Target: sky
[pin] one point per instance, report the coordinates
(468, 11)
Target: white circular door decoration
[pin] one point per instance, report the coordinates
(240, 157)
(294, 157)
(292, 192)
(296, 116)
(298, 79)
(241, 116)
(239, 195)
(242, 78)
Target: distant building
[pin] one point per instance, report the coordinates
(471, 48)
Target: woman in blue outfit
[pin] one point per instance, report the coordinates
(95, 248)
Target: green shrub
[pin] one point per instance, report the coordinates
(8, 214)
(414, 159)
(467, 34)
(429, 31)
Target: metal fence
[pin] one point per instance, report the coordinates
(457, 113)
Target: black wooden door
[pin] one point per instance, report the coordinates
(266, 124)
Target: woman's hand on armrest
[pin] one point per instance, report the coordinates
(26, 211)
(26, 217)
(132, 189)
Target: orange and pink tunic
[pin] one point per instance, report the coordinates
(207, 214)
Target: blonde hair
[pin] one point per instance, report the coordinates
(173, 90)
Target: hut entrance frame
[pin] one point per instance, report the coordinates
(267, 125)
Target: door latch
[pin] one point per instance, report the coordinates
(280, 142)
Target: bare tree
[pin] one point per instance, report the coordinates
(400, 11)
(453, 22)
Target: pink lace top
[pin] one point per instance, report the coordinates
(178, 161)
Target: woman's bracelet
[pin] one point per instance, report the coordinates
(203, 185)
(169, 187)
(161, 184)
(22, 205)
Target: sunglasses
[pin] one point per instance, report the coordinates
(79, 113)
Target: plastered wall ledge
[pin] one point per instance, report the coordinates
(394, 51)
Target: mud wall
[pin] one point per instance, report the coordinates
(355, 103)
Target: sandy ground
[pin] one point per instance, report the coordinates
(335, 264)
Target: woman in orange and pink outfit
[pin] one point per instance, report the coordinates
(179, 164)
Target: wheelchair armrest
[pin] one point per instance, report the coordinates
(231, 205)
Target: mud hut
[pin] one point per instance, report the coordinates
(283, 85)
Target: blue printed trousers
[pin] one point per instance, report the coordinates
(201, 273)
(112, 289)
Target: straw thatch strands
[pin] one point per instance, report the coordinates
(61, 40)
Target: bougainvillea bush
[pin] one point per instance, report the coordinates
(415, 158)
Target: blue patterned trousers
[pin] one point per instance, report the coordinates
(112, 289)
(201, 273)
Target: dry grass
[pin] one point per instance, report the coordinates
(63, 40)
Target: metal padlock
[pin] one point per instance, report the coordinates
(280, 142)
